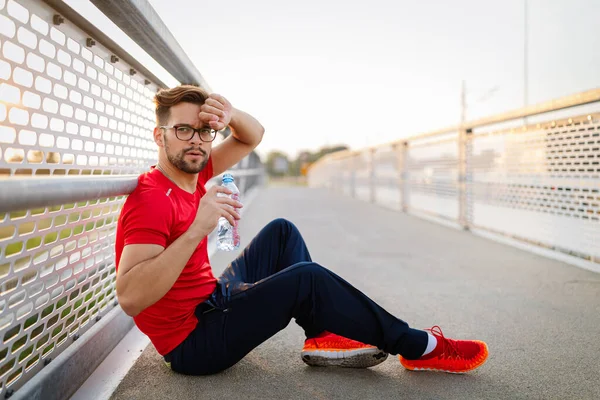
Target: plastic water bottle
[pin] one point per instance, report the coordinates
(228, 237)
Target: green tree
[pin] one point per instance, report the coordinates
(306, 158)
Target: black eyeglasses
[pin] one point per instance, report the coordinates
(186, 132)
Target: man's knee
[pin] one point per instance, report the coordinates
(311, 268)
(282, 225)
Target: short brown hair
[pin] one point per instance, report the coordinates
(167, 98)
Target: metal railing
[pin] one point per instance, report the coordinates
(75, 132)
(532, 175)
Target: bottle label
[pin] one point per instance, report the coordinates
(236, 197)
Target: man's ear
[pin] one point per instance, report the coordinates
(158, 137)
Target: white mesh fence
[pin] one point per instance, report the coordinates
(538, 184)
(68, 106)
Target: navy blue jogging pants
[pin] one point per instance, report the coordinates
(272, 281)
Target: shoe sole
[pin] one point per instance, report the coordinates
(360, 358)
(452, 372)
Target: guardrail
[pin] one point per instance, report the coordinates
(530, 175)
(76, 119)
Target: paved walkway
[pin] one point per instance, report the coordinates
(540, 317)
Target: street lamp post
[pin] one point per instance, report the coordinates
(463, 100)
(525, 54)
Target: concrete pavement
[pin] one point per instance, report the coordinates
(540, 317)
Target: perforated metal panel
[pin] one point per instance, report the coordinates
(342, 176)
(65, 109)
(326, 177)
(432, 176)
(58, 275)
(541, 185)
(361, 166)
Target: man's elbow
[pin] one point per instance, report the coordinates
(128, 307)
(252, 142)
(260, 132)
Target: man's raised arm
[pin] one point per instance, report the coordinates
(247, 132)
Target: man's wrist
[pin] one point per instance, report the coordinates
(196, 233)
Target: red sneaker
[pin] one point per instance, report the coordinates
(454, 356)
(329, 349)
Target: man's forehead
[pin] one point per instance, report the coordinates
(185, 113)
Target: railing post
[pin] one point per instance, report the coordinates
(402, 166)
(372, 186)
(352, 166)
(463, 198)
(244, 181)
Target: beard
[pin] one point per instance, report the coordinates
(179, 161)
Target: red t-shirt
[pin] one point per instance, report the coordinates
(158, 212)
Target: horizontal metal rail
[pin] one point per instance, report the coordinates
(26, 193)
(246, 172)
(562, 103)
(142, 24)
(98, 35)
(19, 194)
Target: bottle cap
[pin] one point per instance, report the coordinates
(227, 178)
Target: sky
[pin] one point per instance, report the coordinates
(361, 73)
